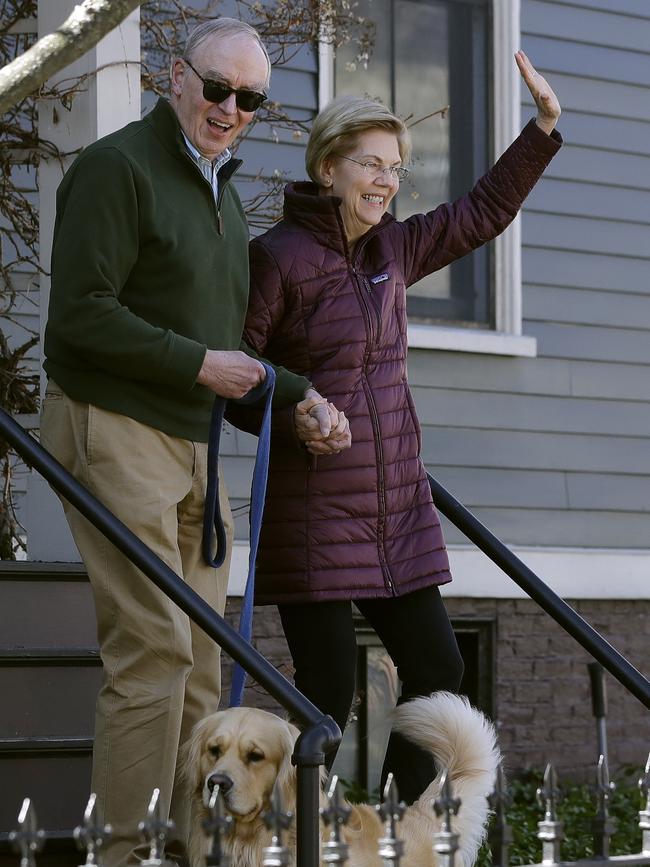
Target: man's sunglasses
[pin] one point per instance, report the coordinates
(217, 91)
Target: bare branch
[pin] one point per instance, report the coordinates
(88, 23)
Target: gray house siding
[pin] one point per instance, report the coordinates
(271, 149)
(555, 450)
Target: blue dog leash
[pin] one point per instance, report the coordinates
(212, 515)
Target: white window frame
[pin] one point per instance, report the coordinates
(506, 338)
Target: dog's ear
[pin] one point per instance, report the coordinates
(191, 752)
(286, 779)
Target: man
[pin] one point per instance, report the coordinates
(148, 299)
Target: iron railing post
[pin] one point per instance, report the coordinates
(309, 754)
(551, 829)
(599, 705)
(556, 607)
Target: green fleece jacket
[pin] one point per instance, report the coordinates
(147, 272)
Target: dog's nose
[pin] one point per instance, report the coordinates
(221, 780)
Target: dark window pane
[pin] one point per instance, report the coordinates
(429, 54)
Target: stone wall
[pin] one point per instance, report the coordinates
(542, 695)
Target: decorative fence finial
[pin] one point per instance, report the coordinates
(550, 829)
(391, 811)
(335, 851)
(603, 826)
(155, 831)
(278, 820)
(445, 843)
(500, 834)
(215, 826)
(644, 815)
(91, 835)
(27, 840)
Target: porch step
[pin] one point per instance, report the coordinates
(50, 692)
(54, 773)
(50, 673)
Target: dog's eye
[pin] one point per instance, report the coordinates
(215, 751)
(255, 757)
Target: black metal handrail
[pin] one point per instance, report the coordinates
(555, 606)
(320, 734)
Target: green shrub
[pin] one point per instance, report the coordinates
(576, 809)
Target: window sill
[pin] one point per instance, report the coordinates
(470, 340)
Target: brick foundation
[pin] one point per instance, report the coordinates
(542, 696)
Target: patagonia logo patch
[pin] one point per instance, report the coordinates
(380, 278)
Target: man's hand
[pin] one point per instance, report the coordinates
(230, 374)
(320, 426)
(548, 105)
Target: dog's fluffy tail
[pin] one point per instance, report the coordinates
(463, 741)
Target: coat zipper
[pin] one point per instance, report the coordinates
(381, 523)
(372, 306)
(366, 307)
(216, 205)
(365, 303)
(218, 208)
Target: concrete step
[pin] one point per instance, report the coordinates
(53, 772)
(45, 605)
(50, 692)
(49, 677)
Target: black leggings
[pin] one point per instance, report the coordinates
(416, 632)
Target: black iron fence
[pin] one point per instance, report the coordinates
(28, 840)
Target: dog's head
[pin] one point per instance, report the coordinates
(245, 751)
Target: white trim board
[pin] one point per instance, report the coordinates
(470, 340)
(573, 573)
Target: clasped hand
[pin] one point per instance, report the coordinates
(320, 426)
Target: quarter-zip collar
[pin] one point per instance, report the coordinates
(162, 118)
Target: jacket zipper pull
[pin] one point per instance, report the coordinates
(220, 222)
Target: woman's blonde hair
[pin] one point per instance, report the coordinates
(336, 129)
(224, 28)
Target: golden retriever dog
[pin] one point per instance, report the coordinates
(245, 751)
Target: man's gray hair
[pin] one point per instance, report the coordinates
(223, 28)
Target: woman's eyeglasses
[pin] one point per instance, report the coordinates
(372, 168)
(217, 91)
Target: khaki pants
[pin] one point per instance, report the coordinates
(161, 672)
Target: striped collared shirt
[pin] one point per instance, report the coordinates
(208, 168)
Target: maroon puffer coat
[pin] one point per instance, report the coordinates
(360, 524)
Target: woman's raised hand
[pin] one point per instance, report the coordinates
(548, 105)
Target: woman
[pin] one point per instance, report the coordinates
(328, 301)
